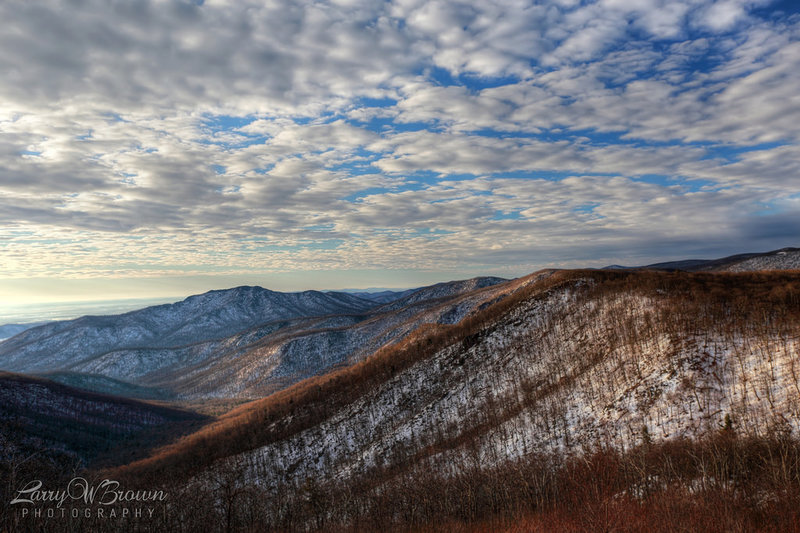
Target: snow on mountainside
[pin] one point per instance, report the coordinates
(306, 350)
(382, 296)
(786, 259)
(783, 259)
(212, 315)
(566, 362)
(272, 340)
(441, 290)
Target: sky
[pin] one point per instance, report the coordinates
(151, 148)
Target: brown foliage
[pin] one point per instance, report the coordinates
(315, 399)
(689, 302)
(724, 483)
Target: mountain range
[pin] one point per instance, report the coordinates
(241, 342)
(575, 400)
(566, 363)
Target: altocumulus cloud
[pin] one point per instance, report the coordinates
(149, 138)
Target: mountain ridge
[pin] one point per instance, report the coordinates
(460, 397)
(76, 425)
(195, 319)
(166, 357)
(569, 362)
(781, 259)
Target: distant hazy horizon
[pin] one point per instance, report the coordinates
(65, 299)
(49, 311)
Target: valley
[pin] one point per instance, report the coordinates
(464, 403)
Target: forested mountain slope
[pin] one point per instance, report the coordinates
(568, 362)
(240, 343)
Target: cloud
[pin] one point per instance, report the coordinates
(723, 14)
(147, 138)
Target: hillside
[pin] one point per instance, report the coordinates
(571, 361)
(215, 314)
(783, 259)
(9, 330)
(315, 346)
(787, 258)
(272, 339)
(68, 424)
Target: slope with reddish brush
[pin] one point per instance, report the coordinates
(565, 364)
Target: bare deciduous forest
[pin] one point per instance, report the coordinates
(582, 401)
